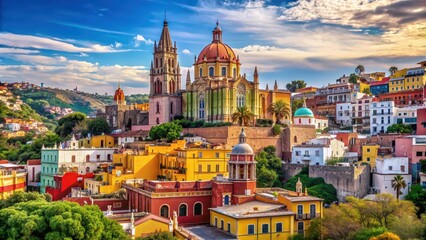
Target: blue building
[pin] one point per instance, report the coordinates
(380, 87)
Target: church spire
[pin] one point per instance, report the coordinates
(165, 40)
(275, 86)
(255, 75)
(217, 33)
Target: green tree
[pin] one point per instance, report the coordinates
(367, 91)
(367, 233)
(279, 110)
(67, 123)
(392, 70)
(294, 85)
(98, 126)
(276, 130)
(400, 128)
(353, 78)
(265, 177)
(296, 104)
(39, 219)
(359, 70)
(20, 197)
(398, 183)
(243, 116)
(267, 159)
(166, 131)
(159, 236)
(418, 196)
(386, 236)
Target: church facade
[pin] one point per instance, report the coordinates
(218, 87)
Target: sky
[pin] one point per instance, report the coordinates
(94, 45)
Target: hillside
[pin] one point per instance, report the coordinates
(77, 101)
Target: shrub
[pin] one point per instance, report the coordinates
(276, 130)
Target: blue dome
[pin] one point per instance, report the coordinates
(304, 112)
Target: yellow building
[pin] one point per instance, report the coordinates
(364, 86)
(194, 164)
(415, 78)
(273, 215)
(7, 134)
(12, 179)
(99, 141)
(369, 154)
(132, 165)
(396, 81)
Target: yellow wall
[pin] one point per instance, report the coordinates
(10, 178)
(99, 141)
(363, 86)
(415, 82)
(369, 152)
(239, 227)
(184, 165)
(150, 226)
(397, 85)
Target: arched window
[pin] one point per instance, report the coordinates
(171, 107)
(87, 169)
(158, 121)
(241, 95)
(211, 71)
(170, 63)
(300, 120)
(234, 72)
(156, 62)
(158, 107)
(161, 62)
(223, 71)
(295, 139)
(173, 63)
(164, 211)
(201, 108)
(183, 210)
(226, 200)
(201, 72)
(109, 157)
(198, 209)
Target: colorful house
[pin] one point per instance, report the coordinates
(396, 81)
(98, 141)
(414, 78)
(369, 153)
(12, 179)
(379, 87)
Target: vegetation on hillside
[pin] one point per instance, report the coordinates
(268, 168)
(33, 217)
(400, 128)
(166, 132)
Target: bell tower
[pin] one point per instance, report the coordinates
(165, 80)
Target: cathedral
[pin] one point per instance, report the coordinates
(218, 88)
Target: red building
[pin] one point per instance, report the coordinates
(421, 121)
(403, 98)
(64, 183)
(191, 200)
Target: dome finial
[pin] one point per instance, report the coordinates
(217, 22)
(304, 102)
(242, 137)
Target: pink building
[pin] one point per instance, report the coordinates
(413, 147)
(421, 121)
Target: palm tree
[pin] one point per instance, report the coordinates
(359, 70)
(392, 70)
(279, 109)
(398, 182)
(243, 115)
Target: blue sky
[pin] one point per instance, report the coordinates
(96, 44)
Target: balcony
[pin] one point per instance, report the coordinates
(306, 216)
(379, 114)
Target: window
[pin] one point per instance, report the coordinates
(221, 224)
(217, 155)
(390, 168)
(87, 158)
(201, 72)
(250, 229)
(278, 227)
(299, 209)
(297, 153)
(241, 95)
(223, 71)
(368, 150)
(200, 155)
(215, 221)
(419, 154)
(234, 72)
(368, 159)
(201, 107)
(183, 210)
(158, 108)
(402, 168)
(209, 168)
(73, 158)
(295, 139)
(200, 168)
(226, 200)
(217, 168)
(171, 108)
(265, 228)
(198, 209)
(313, 210)
(211, 71)
(164, 211)
(229, 228)
(300, 228)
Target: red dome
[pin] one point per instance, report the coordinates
(119, 95)
(215, 50)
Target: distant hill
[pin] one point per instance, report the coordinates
(78, 101)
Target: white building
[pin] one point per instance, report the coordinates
(57, 160)
(361, 113)
(13, 127)
(317, 151)
(386, 169)
(407, 115)
(343, 114)
(33, 169)
(382, 115)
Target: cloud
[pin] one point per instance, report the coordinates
(79, 26)
(186, 52)
(118, 45)
(64, 73)
(139, 38)
(29, 41)
(17, 50)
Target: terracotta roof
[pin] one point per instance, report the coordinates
(34, 162)
(152, 217)
(384, 81)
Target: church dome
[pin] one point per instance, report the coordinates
(242, 147)
(303, 112)
(217, 50)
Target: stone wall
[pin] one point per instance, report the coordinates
(348, 181)
(291, 169)
(295, 135)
